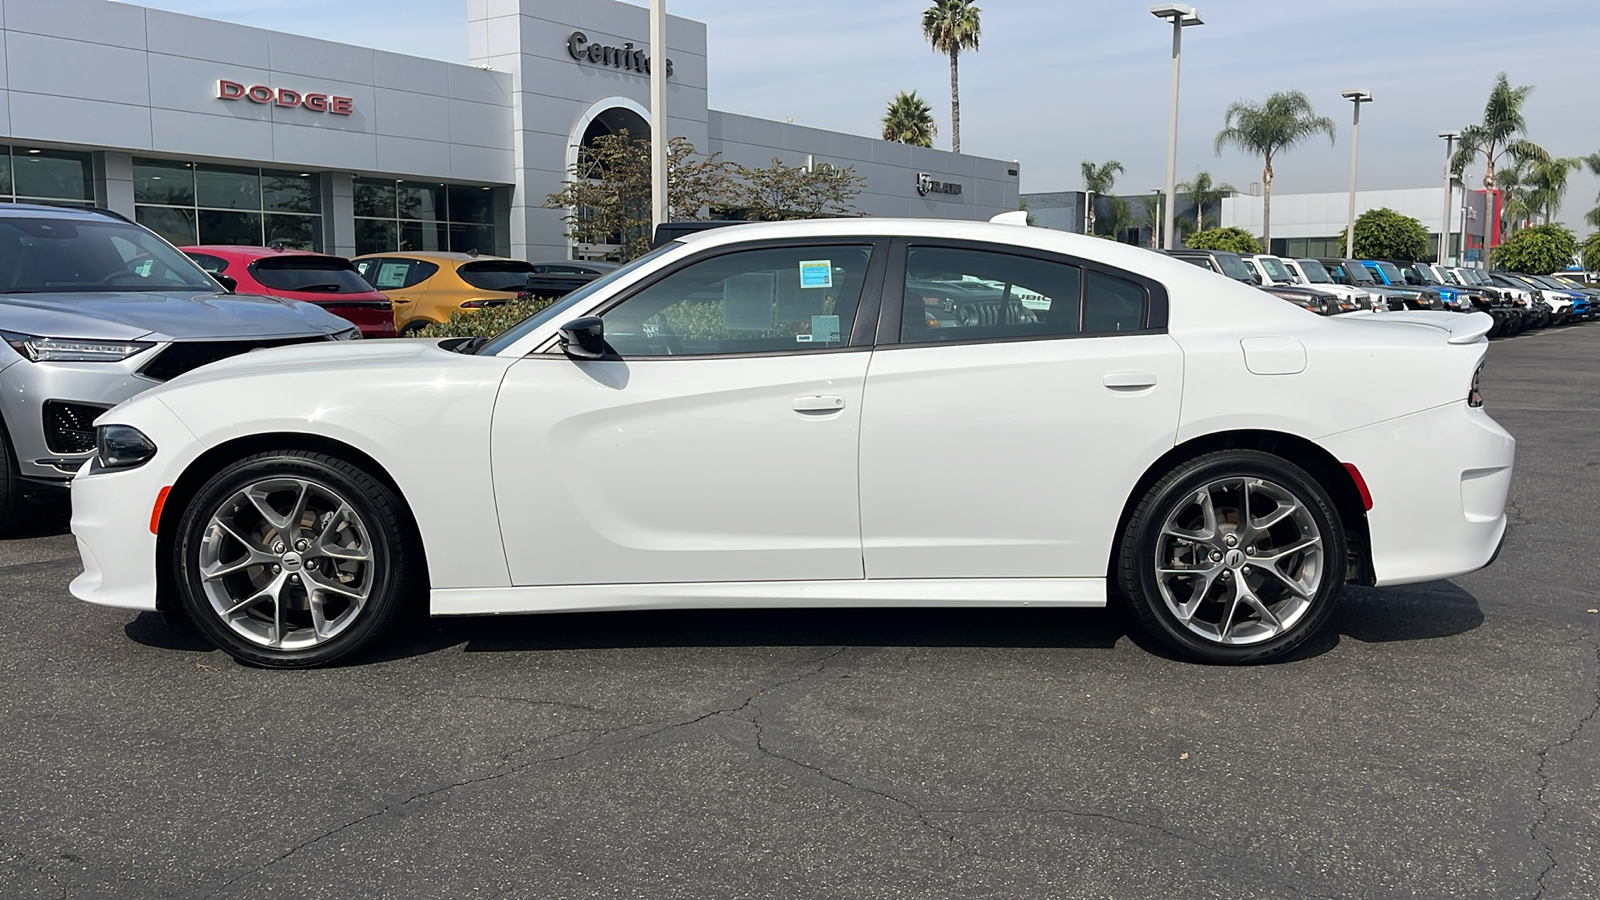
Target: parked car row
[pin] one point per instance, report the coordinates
(389, 294)
(1332, 286)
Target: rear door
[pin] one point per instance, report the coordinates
(1012, 403)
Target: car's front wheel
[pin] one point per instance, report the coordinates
(293, 559)
(1233, 557)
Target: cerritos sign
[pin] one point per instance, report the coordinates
(625, 57)
(260, 93)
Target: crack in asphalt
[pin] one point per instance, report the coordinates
(598, 742)
(24, 861)
(1544, 779)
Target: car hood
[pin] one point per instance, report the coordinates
(323, 357)
(129, 315)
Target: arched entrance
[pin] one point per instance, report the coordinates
(611, 116)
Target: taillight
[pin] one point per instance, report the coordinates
(1474, 396)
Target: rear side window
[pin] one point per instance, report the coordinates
(310, 274)
(212, 264)
(394, 273)
(1112, 305)
(956, 294)
(496, 274)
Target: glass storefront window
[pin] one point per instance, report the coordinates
(219, 226)
(415, 216)
(227, 187)
(292, 231)
(174, 224)
(164, 183)
(52, 175)
(5, 171)
(290, 192)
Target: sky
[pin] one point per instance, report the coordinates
(1056, 82)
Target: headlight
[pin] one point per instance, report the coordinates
(122, 447)
(54, 349)
(349, 334)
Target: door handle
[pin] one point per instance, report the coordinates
(1130, 381)
(818, 404)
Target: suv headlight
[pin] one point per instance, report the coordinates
(349, 334)
(122, 447)
(55, 349)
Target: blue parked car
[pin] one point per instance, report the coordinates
(1583, 305)
(1389, 275)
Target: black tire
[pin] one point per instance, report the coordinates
(12, 502)
(393, 578)
(413, 328)
(1141, 542)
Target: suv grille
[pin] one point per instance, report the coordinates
(69, 427)
(185, 356)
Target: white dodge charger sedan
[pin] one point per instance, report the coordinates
(861, 412)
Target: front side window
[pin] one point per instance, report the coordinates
(394, 273)
(751, 301)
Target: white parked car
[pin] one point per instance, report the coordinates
(843, 412)
(1312, 273)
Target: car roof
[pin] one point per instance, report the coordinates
(35, 210)
(439, 256)
(241, 251)
(592, 263)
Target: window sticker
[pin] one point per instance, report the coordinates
(816, 273)
(747, 301)
(392, 275)
(824, 328)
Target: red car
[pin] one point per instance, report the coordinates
(330, 282)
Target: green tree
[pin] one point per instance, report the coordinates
(1593, 215)
(1268, 129)
(952, 26)
(606, 196)
(1118, 217)
(1204, 193)
(1538, 250)
(909, 121)
(1385, 234)
(1499, 135)
(1591, 253)
(1098, 180)
(1234, 240)
(780, 191)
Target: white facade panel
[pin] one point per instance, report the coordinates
(408, 155)
(309, 57)
(409, 115)
(69, 120)
(178, 133)
(91, 21)
(410, 73)
(97, 71)
(221, 42)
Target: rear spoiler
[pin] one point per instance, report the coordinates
(1464, 328)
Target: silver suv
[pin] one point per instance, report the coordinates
(95, 309)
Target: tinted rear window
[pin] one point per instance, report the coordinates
(311, 274)
(496, 274)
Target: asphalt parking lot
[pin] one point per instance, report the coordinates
(1439, 741)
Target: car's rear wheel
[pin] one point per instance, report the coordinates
(11, 499)
(293, 559)
(1233, 557)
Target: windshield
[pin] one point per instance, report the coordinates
(59, 255)
(559, 308)
(312, 274)
(1568, 282)
(1314, 271)
(1275, 269)
(1427, 274)
(1234, 267)
(1391, 272)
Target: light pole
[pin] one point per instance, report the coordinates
(1358, 98)
(1449, 189)
(1181, 16)
(1156, 222)
(1463, 241)
(658, 114)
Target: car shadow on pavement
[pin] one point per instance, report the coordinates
(1411, 613)
(43, 519)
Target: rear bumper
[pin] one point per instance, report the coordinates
(374, 321)
(1439, 480)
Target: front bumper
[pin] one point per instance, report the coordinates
(1439, 480)
(111, 516)
(26, 386)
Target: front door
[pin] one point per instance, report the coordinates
(719, 443)
(1005, 429)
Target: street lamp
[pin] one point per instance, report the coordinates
(1155, 222)
(1358, 98)
(658, 114)
(1181, 16)
(1449, 188)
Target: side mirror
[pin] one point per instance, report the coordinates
(228, 282)
(584, 338)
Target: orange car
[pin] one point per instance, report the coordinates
(427, 286)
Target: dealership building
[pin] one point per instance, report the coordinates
(210, 132)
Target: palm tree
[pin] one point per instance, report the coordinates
(1593, 215)
(1204, 193)
(952, 26)
(1098, 180)
(1499, 134)
(909, 121)
(1547, 183)
(1267, 129)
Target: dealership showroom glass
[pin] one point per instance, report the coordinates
(213, 133)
